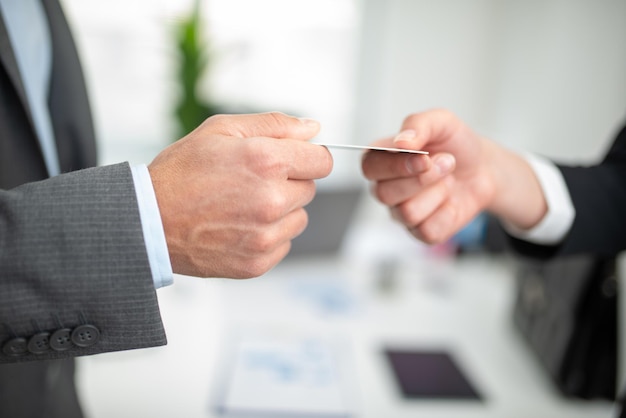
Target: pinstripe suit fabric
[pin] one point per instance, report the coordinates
(71, 247)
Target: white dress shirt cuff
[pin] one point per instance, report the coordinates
(557, 222)
(153, 233)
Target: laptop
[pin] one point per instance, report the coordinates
(330, 215)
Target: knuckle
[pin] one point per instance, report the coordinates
(276, 122)
(272, 208)
(411, 119)
(255, 149)
(276, 117)
(261, 157)
(441, 227)
(382, 194)
(445, 117)
(262, 242)
(302, 221)
(219, 120)
(223, 124)
(428, 178)
(427, 234)
(440, 112)
(406, 214)
(436, 113)
(309, 191)
(255, 267)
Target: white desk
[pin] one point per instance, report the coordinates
(462, 306)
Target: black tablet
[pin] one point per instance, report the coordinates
(430, 375)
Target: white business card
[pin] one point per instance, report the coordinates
(372, 148)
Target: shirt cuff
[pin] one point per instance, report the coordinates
(153, 233)
(559, 218)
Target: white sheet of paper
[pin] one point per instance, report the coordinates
(287, 377)
(370, 148)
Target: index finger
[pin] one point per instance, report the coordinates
(386, 166)
(270, 124)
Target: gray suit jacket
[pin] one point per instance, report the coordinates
(74, 273)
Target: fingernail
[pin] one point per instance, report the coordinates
(445, 163)
(406, 135)
(417, 163)
(309, 122)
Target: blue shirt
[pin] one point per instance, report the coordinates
(29, 34)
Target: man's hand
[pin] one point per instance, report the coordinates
(231, 193)
(435, 196)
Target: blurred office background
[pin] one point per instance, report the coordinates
(540, 76)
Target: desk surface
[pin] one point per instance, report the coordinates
(461, 306)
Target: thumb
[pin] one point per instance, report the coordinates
(427, 129)
(271, 125)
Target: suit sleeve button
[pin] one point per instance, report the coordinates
(15, 347)
(85, 335)
(60, 340)
(39, 343)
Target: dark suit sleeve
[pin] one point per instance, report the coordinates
(599, 196)
(72, 258)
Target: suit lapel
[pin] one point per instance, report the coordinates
(68, 103)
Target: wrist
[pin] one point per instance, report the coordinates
(518, 199)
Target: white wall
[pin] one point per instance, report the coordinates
(296, 57)
(547, 76)
(541, 75)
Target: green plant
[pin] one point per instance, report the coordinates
(191, 109)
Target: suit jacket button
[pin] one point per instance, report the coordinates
(85, 335)
(16, 347)
(61, 340)
(39, 343)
